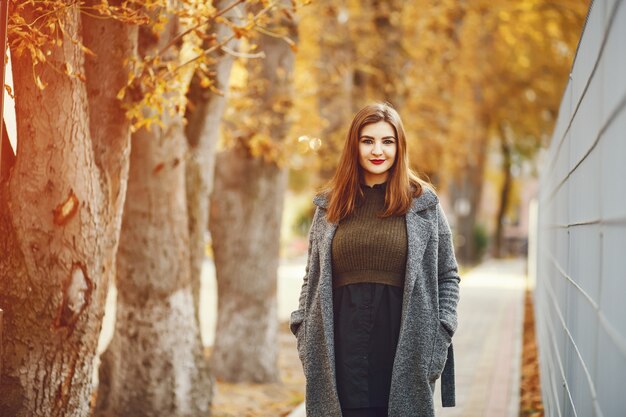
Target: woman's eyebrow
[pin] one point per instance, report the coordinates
(371, 137)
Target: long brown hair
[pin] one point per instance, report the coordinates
(343, 190)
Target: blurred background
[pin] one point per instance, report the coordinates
(209, 126)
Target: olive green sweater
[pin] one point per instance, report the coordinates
(366, 248)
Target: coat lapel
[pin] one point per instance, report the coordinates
(418, 230)
(326, 292)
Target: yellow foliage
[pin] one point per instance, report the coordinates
(466, 67)
(459, 69)
(157, 82)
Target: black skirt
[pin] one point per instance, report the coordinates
(367, 327)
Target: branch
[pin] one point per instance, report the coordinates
(243, 54)
(66, 6)
(178, 37)
(204, 53)
(224, 42)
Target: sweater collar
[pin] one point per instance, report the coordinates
(427, 199)
(381, 186)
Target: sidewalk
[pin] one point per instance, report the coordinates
(487, 344)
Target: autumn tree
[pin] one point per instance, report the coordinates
(464, 72)
(509, 65)
(156, 361)
(247, 204)
(466, 138)
(335, 77)
(159, 247)
(61, 203)
(531, 52)
(479, 66)
(206, 103)
(83, 79)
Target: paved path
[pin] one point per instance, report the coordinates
(488, 341)
(487, 344)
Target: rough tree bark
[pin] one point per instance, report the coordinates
(155, 365)
(58, 214)
(245, 219)
(204, 114)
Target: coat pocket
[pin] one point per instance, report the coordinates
(440, 352)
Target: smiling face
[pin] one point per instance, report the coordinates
(377, 151)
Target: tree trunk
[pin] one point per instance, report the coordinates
(335, 80)
(57, 209)
(204, 114)
(245, 220)
(113, 43)
(469, 142)
(468, 187)
(155, 364)
(505, 148)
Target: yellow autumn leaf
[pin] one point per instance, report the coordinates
(205, 82)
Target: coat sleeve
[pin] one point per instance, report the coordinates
(297, 316)
(448, 274)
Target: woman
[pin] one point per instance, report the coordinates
(377, 309)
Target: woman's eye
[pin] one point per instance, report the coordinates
(389, 141)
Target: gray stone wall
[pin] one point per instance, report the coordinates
(580, 295)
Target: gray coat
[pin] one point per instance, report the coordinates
(429, 319)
